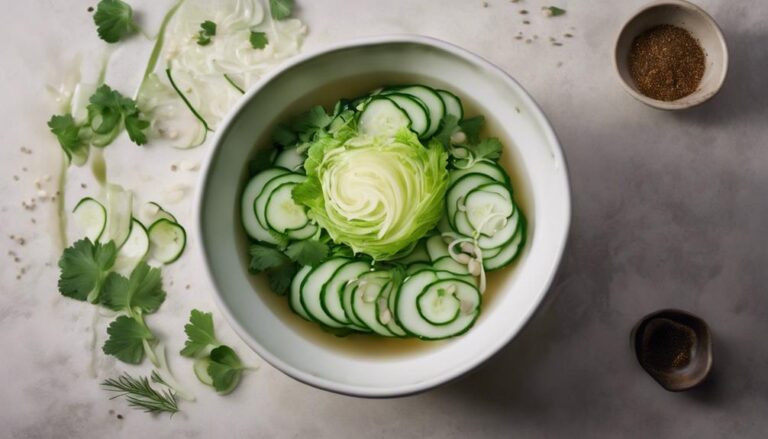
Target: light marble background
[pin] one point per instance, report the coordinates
(669, 211)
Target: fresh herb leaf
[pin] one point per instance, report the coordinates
(84, 267)
(280, 9)
(126, 339)
(200, 333)
(114, 20)
(282, 135)
(552, 11)
(307, 252)
(258, 40)
(68, 134)
(449, 126)
(488, 149)
(141, 293)
(307, 124)
(207, 30)
(471, 127)
(141, 395)
(108, 108)
(135, 127)
(265, 258)
(225, 369)
(280, 278)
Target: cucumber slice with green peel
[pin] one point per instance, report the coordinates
(291, 159)
(431, 101)
(416, 111)
(411, 310)
(464, 277)
(200, 366)
(384, 310)
(438, 307)
(364, 298)
(381, 117)
(308, 231)
(247, 213)
(487, 210)
(331, 295)
(119, 208)
(444, 226)
(490, 169)
(295, 293)
(347, 299)
(312, 288)
(91, 217)
(510, 251)
(503, 235)
(151, 212)
(453, 106)
(260, 206)
(459, 190)
(135, 249)
(417, 266)
(436, 247)
(282, 213)
(447, 263)
(167, 240)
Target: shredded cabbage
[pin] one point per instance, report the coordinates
(376, 195)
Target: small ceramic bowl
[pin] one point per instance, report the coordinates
(357, 365)
(695, 20)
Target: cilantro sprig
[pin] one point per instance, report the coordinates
(280, 9)
(114, 20)
(207, 30)
(222, 364)
(258, 40)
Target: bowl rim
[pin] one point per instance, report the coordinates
(672, 105)
(357, 390)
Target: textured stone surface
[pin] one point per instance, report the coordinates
(669, 211)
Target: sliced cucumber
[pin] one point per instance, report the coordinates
(459, 190)
(281, 213)
(291, 159)
(248, 200)
(260, 206)
(464, 277)
(438, 307)
(308, 231)
(347, 299)
(452, 104)
(448, 264)
(411, 310)
(503, 235)
(436, 247)
(331, 295)
(119, 208)
(487, 209)
(490, 169)
(135, 249)
(510, 251)
(417, 267)
(416, 111)
(365, 297)
(91, 217)
(167, 240)
(312, 288)
(382, 117)
(200, 366)
(418, 254)
(385, 306)
(151, 212)
(431, 101)
(295, 294)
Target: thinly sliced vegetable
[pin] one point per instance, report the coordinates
(382, 118)
(452, 104)
(119, 209)
(200, 367)
(281, 213)
(91, 217)
(331, 295)
(295, 293)
(291, 159)
(134, 250)
(167, 240)
(248, 214)
(151, 212)
(312, 288)
(415, 109)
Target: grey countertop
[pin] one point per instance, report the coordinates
(670, 211)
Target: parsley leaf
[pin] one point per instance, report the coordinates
(199, 332)
(84, 267)
(141, 293)
(280, 9)
(449, 126)
(68, 134)
(207, 30)
(264, 258)
(307, 252)
(225, 369)
(306, 125)
(258, 40)
(108, 108)
(126, 340)
(488, 149)
(114, 20)
(472, 127)
(280, 278)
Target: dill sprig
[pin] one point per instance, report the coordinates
(141, 395)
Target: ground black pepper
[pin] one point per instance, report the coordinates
(666, 63)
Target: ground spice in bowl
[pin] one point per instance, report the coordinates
(666, 63)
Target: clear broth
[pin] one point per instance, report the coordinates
(365, 345)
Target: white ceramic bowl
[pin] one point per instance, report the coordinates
(382, 368)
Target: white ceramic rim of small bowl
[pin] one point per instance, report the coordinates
(404, 390)
(679, 104)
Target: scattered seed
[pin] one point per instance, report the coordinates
(34, 221)
(119, 416)
(16, 259)
(518, 37)
(15, 178)
(189, 165)
(90, 9)
(485, 4)
(567, 35)
(528, 41)
(557, 44)
(186, 287)
(523, 12)
(526, 22)
(83, 185)
(174, 168)
(24, 169)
